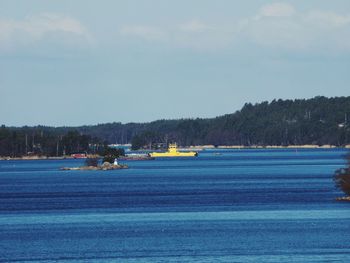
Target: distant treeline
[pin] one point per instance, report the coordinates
(16, 142)
(317, 121)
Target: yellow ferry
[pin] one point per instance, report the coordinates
(173, 152)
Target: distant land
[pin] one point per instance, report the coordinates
(316, 121)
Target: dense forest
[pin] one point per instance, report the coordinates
(16, 142)
(316, 121)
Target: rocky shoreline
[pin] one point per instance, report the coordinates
(96, 168)
(343, 199)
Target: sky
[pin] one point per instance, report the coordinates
(84, 62)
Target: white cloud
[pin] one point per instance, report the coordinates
(35, 29)
(191, 34)
(281, 26)
(146, 32)
(277, 26)
(276, 34)
(327, 19)
(195, 26)
(199, 35)
(277, 10)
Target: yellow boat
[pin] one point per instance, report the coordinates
(173, 152)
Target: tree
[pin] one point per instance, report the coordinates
(110, 154)
(146, 138)
(342, 178)
(137, 142)
(316, 121)
(74, 142)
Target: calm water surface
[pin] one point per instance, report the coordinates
(224, 206)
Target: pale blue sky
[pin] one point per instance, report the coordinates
(88, 62)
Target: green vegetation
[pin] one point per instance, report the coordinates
(45, 141)
(110, 154)
(317, 121)
(342, 178)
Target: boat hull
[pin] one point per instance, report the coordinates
(173, 152)
(176, 154)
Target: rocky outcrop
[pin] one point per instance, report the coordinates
(104, 167)
(344, 199)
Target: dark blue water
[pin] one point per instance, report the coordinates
(224, 206)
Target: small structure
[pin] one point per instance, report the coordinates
(79, 155)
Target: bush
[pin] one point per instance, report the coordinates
(342, 178)
(110, 154)
(108, 159)
(113, 152)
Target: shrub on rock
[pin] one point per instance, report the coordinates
(342, 178)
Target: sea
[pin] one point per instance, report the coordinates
(242, 205)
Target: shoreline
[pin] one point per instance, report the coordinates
(343, 199)
(305, 146)
(194, 147)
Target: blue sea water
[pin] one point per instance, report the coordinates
(224, 206)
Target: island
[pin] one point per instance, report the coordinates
(106, 166)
